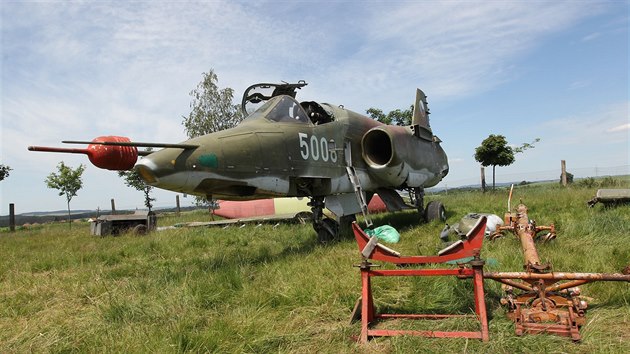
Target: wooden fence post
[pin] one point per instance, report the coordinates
(12, 217)
(113, 207)
(177, 202)
(563, 176)
(483, 179)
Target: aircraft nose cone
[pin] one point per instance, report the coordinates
(161, 170)
(146, 169)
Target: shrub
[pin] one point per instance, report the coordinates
(569, 178)
(588, 182)
(609, 182)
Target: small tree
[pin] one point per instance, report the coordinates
(211, 108)
(133, 180)
(67, 181)
(4, 171)
(495, 151)
(395, 117)
(525, 146)
(210, 204)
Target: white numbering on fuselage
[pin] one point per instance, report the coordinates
(317, 148)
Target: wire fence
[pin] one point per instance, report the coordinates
(536, 176)
(168, 200)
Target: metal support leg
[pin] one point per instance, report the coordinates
(480, 302)
(367, 302)
(369, 315)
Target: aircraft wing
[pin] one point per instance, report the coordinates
(290, 217)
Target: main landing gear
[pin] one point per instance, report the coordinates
(434, 210)
(329, 230)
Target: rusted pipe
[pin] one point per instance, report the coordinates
(558, 276)
(526, 236)
(567, 285)
(522, 286)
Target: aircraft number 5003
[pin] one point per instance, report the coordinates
(316, 148)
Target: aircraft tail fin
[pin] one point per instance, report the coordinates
(421, 110)
(420, 118)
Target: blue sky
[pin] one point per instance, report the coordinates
(553, 70)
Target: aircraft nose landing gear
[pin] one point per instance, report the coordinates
(327, 229)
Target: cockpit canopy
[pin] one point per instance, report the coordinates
(276, 103)
(282, 109)
(258, 94)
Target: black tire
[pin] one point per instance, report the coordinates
(328, 232)
(140, 230)
(435, 211)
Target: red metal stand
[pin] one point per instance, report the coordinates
(370, 249)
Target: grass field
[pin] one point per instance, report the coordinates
(266, 289)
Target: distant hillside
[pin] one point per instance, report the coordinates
(53, 216)
(44, 217)
(56, 213)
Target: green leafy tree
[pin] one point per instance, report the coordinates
(67, 181)
(494, 151)
(395, 117)
(211, 204)
(133, 180)
(211, 108)
(4, 172)
(525, 146)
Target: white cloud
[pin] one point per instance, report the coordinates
(580, 84)
(619, 128)
(455, 160)
(591, 37)
(591, 126)
(79, 70)
(453, 48)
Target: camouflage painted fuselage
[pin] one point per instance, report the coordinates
(278, 151)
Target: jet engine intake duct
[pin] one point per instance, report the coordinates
(379, 153)
(378, 149)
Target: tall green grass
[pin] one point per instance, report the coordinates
(266, 289)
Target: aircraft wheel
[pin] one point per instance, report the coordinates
(328, 231)
(435, 211)
(139, 230)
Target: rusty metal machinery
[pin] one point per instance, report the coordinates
(537, 300)
(370, 249)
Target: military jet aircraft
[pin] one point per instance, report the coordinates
(285, 148)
